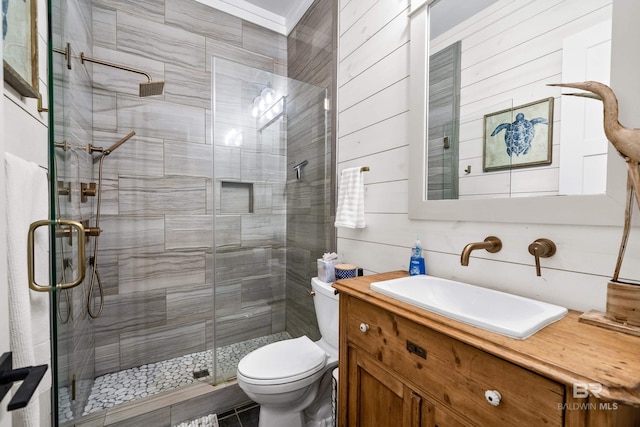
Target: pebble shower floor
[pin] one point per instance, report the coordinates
(115, 388)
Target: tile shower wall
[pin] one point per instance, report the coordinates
(157, 243)
(310, 206)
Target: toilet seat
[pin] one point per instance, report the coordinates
(282, 362)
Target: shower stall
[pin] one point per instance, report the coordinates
(212, 212)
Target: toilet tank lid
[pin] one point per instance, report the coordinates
(325, 288)
(284, 360)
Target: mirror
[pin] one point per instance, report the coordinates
(491, 127)
(515, 88)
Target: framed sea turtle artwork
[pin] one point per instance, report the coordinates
(518, 137)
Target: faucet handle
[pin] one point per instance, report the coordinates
(542, 248)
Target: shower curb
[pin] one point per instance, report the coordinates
(169, 408)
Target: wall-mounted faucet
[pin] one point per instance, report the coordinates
(491, 244)
(541, 248)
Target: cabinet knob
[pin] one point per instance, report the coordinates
(364, 327)
(493, 397)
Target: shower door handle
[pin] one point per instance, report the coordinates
(31, 254)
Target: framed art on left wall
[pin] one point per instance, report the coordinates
(20, 53)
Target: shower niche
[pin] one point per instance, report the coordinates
(236, 197)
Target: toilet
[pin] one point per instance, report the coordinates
(291, 379)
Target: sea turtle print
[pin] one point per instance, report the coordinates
(519, 134)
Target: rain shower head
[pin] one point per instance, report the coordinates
(151, 88)
(119, 143)
(148, 88)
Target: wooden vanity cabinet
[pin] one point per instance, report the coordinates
(396, 372)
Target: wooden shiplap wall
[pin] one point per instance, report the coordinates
(373, 126)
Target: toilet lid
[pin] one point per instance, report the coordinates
(283, 360)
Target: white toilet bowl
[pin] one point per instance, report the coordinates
(287, 378)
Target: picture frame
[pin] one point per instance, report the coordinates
(20, 50)
(518, 137)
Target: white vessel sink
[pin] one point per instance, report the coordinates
(510, 315)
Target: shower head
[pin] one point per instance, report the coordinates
(148, 88)
(119, 143)
(151, 88)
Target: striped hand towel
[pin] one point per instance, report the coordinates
(350, 211)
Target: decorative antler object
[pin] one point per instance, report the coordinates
(620, 297)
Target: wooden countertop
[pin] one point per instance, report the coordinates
(566, 351)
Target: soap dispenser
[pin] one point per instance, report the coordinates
(416, 263)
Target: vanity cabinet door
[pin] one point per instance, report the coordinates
(377, 398)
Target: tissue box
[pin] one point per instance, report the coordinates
(327, 270)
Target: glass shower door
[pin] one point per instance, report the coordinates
(269, 142)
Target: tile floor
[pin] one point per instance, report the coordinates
(245, 416)
(119, 387)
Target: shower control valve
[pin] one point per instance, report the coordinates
(87, 190)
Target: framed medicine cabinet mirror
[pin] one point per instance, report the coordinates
(489, 140)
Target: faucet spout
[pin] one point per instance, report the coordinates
(491, 244)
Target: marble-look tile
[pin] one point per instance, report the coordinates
(189, 232)
(152, 10)
(263, 229)
(132, 234)
(279, 315)
(228, 232)
(160, 343)
(210, 197)
(120, 81)
(104, 27)
(188, 159)
(258, 39)
(187, 86)
(196, 17)
(239, 264)
(228, 297)
(249, 323)
(159, 41)
(258, 166)
(154, 272)
(209, 127)
(107, 358)
(139, 156)
(158, 196)
(227, 51)
(109, 197)
(105, 114)
(261, 291)
(227, 163)
(190, 303)
(131, 312)
(158, 119)
(108, 270)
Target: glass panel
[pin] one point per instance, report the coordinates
(265, 127)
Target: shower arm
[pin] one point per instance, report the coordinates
(67, 53)
(84, 58)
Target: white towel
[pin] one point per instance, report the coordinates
(27, 201)
(350, 211)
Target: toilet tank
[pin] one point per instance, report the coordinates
(326, 305)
